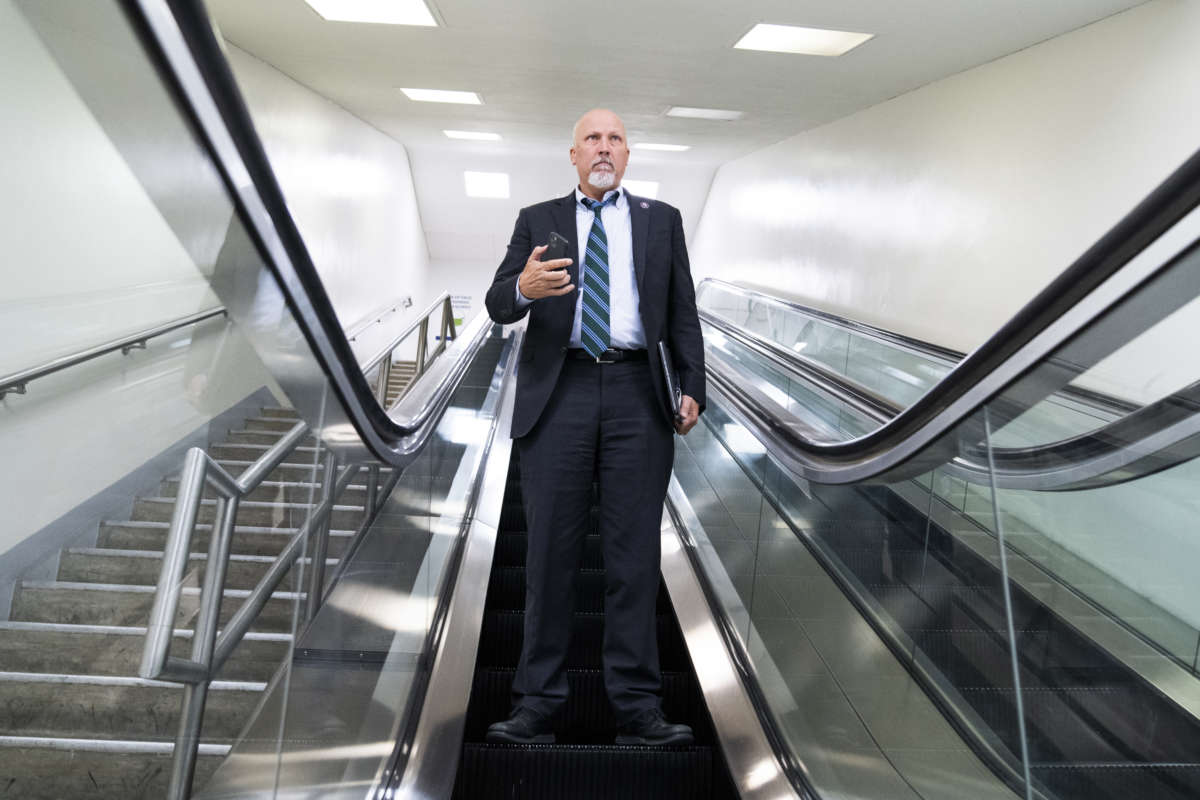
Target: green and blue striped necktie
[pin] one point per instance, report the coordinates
(594, 332)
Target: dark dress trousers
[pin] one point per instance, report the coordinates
(576, 422)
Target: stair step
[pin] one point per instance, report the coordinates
(247, 539)
(108, 707)
(261, 437)
(123, 604)
(142, 567)
(279, 424)
(252, 452)
(281, 492)
(504, 631)
(279, 412)
(584, 772)
(307, 472)
(250, 512)
(117, 650)
(506, 590)
(36, 768)
(511, 548)
(587, 717)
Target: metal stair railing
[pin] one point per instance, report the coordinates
(383, 359)
(17, 382)
(209, 651)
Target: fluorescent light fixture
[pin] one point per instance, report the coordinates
(642, 188)
(486, 184)
(442, 96)
(385, 12)
(474, 136)
(807, 41)
(703, 113)
(668, 148)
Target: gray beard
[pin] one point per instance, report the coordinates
(601, 180)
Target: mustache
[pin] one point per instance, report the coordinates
(600, 161)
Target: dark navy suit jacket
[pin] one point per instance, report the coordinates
(667, 301)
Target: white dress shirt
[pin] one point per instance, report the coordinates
(624, 320)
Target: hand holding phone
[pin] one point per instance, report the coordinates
(545, 273)
(558, 247)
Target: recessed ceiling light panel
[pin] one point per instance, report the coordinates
(486, 184)
(668, 148)
(474, 136)
(442, 96)
(642, 188)
(806, 41)
(384, 12)
(703, 113)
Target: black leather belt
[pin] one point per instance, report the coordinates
(608, 356)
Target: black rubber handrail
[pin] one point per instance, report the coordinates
(1090, 397)
(303, 290)
(1158, 431)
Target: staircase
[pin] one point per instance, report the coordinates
(584, 764)
(75, 720)
(399, 378)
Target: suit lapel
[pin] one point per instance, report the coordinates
(639, 220)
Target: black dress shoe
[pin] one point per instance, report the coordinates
(651, 727)
(525, 726)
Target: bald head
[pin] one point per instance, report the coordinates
(599, 151)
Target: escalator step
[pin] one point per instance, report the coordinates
(584, 772)
(587, 717)
(512, 517)
(503, 633)
(1098, 724)
(511, 547)
(1121, 781)
(506, 590)
(980, 658)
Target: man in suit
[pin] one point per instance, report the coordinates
(591, 403)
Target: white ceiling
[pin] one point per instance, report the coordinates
(539, 64)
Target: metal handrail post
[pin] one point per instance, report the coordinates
(422, 349)
(175, 556)
(320, 541)
(384, 378)
(450, 316)
(372, 489)
(191, 718)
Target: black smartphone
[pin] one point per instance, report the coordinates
(558, 247)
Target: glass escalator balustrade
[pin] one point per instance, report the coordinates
(1075, 679)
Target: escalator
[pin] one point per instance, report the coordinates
(584, 762)
(1016, 582)
(889, 571)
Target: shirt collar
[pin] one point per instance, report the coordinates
(621, 202)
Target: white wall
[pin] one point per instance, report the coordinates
(348, 185)
(87, 256)
(941, 212)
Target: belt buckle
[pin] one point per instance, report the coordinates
(600, 360)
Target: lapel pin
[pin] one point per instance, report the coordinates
(645, 204)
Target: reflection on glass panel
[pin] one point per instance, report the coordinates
(883, 366)
(836, 670)
(334, 712)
